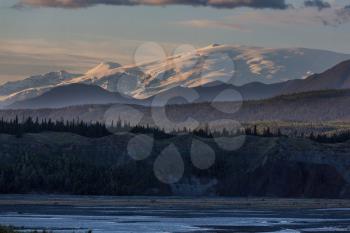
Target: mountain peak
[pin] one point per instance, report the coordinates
(214, 45)
(63, 72)
(103, 67)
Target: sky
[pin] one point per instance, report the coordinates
(38, 36)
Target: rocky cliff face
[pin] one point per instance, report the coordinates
(273, 167)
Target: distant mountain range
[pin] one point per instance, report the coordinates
(338, 77)
(316, 106)
(247, 68)
(74, 94)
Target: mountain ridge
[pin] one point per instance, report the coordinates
(72, 95)
(192, 69)
(335, 78)
(315, 106)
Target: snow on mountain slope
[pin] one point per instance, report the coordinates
(236, 65)
(72, 95)
(32, 86)
(52, 78)
(102, 68)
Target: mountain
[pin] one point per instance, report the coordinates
(70, 95)
(33, 86)
(337, 77)
(80, 94)
(220, 92)
(52, 78)
(317, 106)
(102, 69)
(237, 65)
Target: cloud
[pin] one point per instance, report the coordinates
(259, 4)
(302, 16)
(203, 23)
(340, 16)
(320, 4)
(332, 17)
(20, 58)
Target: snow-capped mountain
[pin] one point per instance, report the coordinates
(73, 95)
(102, 69)
(52, 78)
(236, 65)
(335, 78)
(32, 86)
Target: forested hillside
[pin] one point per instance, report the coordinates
(263, 166)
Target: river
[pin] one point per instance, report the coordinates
(132, 214)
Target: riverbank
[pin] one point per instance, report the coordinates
(199, 202)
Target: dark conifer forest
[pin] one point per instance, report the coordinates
(96, 129)
(98, 162)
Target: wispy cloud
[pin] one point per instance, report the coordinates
(339, 17)
(272, 4)
(296, 17)
(21, 58)
(317, 13)
(303, 16)
(203, 23)
(252, 19)
(320, 4)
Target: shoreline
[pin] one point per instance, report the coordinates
(173, 201)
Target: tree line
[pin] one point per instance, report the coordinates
(18, 128)
(338, 137)
(98, 129)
